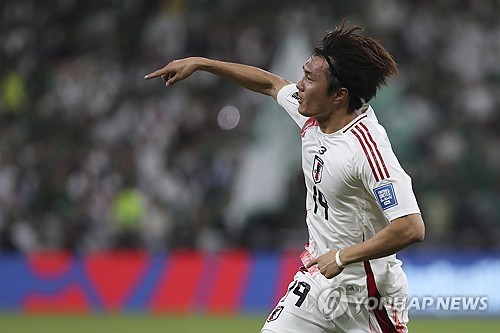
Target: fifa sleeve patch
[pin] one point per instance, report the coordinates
(385, 196)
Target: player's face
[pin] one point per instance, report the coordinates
(314, 100)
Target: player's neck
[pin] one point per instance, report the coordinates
(336, 121)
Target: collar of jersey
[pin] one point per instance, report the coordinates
(364, 111)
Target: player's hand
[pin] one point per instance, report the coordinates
(326, 264)
(175, 71)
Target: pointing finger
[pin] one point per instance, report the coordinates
(154, 74)
(311, 263)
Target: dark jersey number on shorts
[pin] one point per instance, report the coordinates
(300, 289)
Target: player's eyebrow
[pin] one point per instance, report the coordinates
(306, 71)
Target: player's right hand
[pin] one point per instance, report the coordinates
(326, 264)
(175, 71)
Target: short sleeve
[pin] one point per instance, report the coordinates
(382, 175)
(288, 99)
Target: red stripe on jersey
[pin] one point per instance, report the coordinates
(361, 142)
(371, 151)
(376, 150)
(380, 313)
(308, 124)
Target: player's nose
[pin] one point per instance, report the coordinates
(300, 85)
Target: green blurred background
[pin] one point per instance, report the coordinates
(93, 157)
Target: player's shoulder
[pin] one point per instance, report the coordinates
(288, 94)
(365, 128)
(367, 138)
(288, 99)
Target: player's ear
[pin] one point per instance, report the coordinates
(341, 94)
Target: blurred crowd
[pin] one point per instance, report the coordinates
(93, 157)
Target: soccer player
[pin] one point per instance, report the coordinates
(360, 205)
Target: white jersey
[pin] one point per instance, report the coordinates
(355, 187)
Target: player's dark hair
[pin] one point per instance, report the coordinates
(357, 62)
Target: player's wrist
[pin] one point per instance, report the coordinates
(338, 260)
(203, 64)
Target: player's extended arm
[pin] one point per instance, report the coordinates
(399, 234)
(250, 77)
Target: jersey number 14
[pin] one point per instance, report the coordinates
(320, 200)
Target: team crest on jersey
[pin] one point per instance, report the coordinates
(293, 98)
(276, 313)
(386, 196)
(317, 170)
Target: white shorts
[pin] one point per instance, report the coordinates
(313, 305)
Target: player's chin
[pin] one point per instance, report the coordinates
(302, 110)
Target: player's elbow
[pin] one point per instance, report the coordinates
(411, 229)
(417, 236)
(416, 229)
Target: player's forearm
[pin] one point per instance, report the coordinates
(400, 234)
(250, 77)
